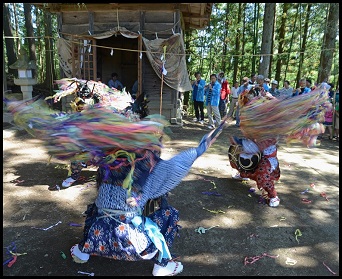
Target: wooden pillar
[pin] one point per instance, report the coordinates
(4, 76)
(73, 56)
(140, 47)
(139, 66)
(60, 30)
(94, 50)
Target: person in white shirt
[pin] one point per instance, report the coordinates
(286, 91)
(234, 99)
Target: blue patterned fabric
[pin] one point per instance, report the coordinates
(109, 230)
(167, 174)
(117, 238)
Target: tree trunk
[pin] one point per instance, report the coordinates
(282, 28)
(40, 61)
(266, 45)
(202, 55)
(329, 42)
(30, 33)
(9, 42)
(237, 44)
(49, 65)
(291, 43)
(243, 40)
(303, 47)
(225, 41)
(270, 72)
(18, 43)
(255, 34)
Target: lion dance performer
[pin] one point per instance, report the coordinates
(88, 93)
(265, 121)
(131, 174)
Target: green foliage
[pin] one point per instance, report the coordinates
(18, 20)
(206, 46)
(215, 48)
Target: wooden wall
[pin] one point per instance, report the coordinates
(148, 23)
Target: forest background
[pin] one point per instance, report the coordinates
(278, 40)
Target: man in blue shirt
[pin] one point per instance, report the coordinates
(266, 84)
(114, 82)
(212, 93)
(198, 97)
(303, 89)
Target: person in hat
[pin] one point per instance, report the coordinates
(266, 84)
(259, 86)
(274, 89)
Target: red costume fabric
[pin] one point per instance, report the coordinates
(225, 90)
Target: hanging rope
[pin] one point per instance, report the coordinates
(187, 54)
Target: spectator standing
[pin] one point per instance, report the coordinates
(234, 99)
(259, 86)
(245, 86)
(114, 82)
(302, 89)
(328, 117)
(198, 97)
(253, 80)
(266, 84)
(337, 95)
(274, 89)
(331, 91)
(224, 96)
(287, 90)
(212, 93)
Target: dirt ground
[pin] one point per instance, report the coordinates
(295, 239)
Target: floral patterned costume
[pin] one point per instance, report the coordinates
(116, 229)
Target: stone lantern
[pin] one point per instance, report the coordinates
(25, 79)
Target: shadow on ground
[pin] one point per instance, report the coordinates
(246, 227)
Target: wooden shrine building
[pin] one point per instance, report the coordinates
(139, 41)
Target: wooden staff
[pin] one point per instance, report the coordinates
(161, 93)
(162, 80)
